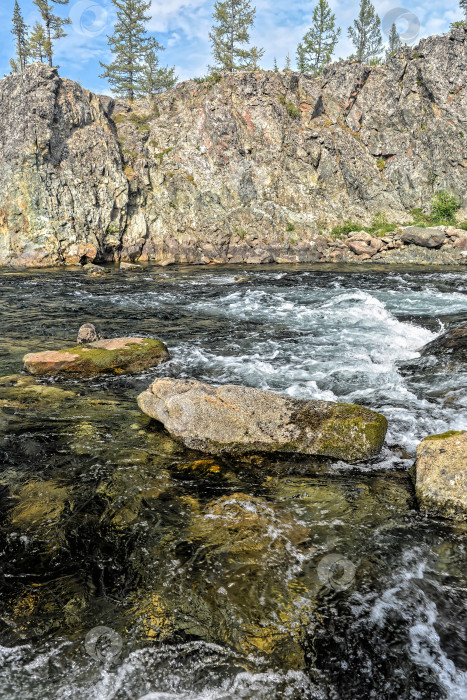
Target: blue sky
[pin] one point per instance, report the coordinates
(182, 26)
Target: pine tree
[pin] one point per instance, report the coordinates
(287, 63)
(395, 42)
(38, 47)
(233, 20)
(276, 69)
(318, 44)
(154, 78)
(130, 45)
(366, 33)
(19, 30)
(53, 24)
(14, 67)
(462, 22)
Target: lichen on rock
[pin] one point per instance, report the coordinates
(242, 420)
(441, 474)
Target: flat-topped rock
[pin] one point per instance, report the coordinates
(441, 475)
(112, 356)
(241, 420)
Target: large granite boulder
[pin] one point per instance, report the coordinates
(239, 420)
(441, 475)
(425, 237)
(113, 356)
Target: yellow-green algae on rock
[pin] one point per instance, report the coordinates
(441, 474)
(242, 420)
(113, 356)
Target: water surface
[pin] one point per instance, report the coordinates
(211, 574)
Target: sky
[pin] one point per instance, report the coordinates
(182, 27)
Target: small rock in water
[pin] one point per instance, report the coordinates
(95, 270)
(88, 333)
(130, 267)
(241, 278)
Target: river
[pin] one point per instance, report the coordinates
(133, 568)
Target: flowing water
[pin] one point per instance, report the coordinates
(132, 568)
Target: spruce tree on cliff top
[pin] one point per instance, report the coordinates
(318, 44)
(53, 24)
(37, 43)
(130, 45)
(19, 31)
(155, 78)
(230, 35)
(366, 33)
(394, 42)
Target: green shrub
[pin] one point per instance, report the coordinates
(282, 99)
(293, 111)
(463, 225)
(290, 227)
(343, 229)
(444, 206)
(209, 80)
(381, 164)
(380, 225)
(241, 233)
(419, 217)
(140, 119)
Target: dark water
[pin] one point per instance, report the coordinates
(131, 568)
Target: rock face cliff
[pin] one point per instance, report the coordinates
(256, 167)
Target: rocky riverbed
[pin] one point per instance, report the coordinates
(132, 566)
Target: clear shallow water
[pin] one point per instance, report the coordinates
(211, 600)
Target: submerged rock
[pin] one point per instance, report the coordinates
(441, 475)
(20, 392)
(240, 420)
(425, 237)
(88, 333)
(113, 356)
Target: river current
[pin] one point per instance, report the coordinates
(132, 568)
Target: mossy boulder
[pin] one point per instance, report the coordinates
(240, 420)
(113, 356)
(441, 475)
